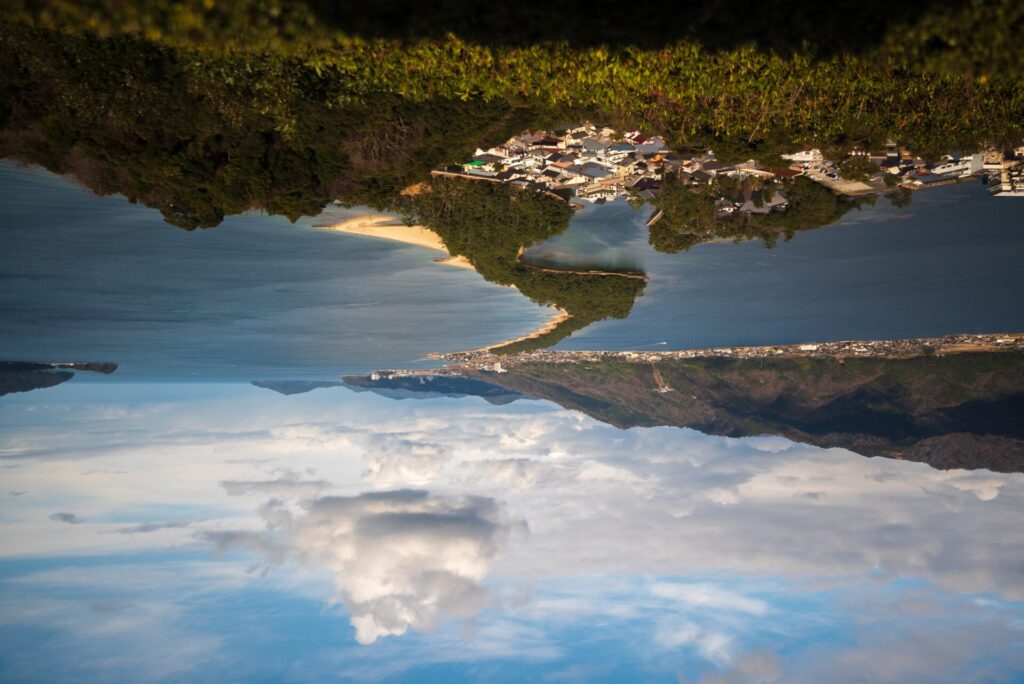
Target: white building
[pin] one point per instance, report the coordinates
(805, 156)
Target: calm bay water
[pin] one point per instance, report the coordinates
(88, 278)
(91, 278)
(949, 263)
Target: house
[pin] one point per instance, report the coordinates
(527, 138)
(550, 141)
(752, 168)
(808, 155)
(477, 169)
(487, 158)
(619, 150)
(671, 162)
(701, 177)
(592, 170)
(645, 183)
(625, 166)
(572, 180)
(718, 168)
(649, 145)
(565, 161)
(596, 194)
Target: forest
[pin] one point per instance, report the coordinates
(690, 216)
(335, 93)
(202, 109)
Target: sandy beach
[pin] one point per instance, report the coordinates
(385, 228)
(558, 317)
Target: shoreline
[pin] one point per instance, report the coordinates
(840, 350)
(383, 227)
(558, 317)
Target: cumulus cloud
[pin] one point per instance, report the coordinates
(403, 462)
(712, 645)
(981, 484)
(399, 559)
(69, 518)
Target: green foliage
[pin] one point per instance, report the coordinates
(901, 198)
(856, 168)
(740, 100)
(200, 136)
(690, 216)
(491, 224)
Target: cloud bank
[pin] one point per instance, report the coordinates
(399, 559)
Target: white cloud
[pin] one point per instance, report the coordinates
(399, 559)
(709, 596)
(712, 645)
(599, 502)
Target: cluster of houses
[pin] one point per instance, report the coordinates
(595, 164)
(1010, 181)
(592, 163)
(916, 173)
(1003, 169)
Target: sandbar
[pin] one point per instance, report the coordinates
(384, 227)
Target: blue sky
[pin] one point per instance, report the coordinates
(223, 532)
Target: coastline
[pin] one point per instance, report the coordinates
(383, 227)
(841, 350)
(558, 317)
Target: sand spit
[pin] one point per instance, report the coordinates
(558, 317)
(385, 228)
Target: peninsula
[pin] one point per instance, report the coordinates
(951, 402)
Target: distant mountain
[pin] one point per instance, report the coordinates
(25, 376)
(403, 387)
(950, 411)
(289, 387)
(432, 386)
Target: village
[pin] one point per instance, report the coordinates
(594, 164)
(490, 362)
